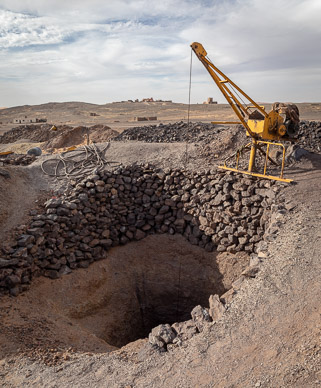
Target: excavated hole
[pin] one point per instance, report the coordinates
(157, 280)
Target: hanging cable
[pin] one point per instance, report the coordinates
(178, 291)
(189, 107)
(235, 91)
(240, 97)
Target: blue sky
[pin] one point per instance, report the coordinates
(101, 51)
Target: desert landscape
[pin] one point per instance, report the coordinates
(121, 115)
(130, 259)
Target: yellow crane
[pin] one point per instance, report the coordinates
(265, 129)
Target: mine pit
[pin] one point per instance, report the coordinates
(130, 249)
(120, 299)
(141, 285)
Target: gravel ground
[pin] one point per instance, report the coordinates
(268, 337)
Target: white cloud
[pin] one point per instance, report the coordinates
(99, 51)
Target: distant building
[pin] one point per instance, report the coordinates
(210, 101)
(151, 118)
(27, 120)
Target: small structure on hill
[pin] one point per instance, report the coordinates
(26, 119)
(210, 101)
(151, 118)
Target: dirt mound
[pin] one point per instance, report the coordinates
(33, 132)
(68, 138)
(64, 136)
(101, 133)
(78, 136)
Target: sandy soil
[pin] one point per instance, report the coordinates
(119, 116)
(82, 310)
(269, 336)
(18, 195)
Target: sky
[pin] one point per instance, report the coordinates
(100, 51)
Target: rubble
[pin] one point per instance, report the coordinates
(216, 307)
(200, 317)
(212, 209)
(161, 335)
(17, 160)
(309, 135)
(169, 133)
(164, 336)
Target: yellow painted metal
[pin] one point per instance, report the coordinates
(226, 122)
(257, 126)
(272, 177)
(253, 147)
(72, 148)
(231, 97)
(215, 74)
(266, 157)
(6, 153)
(252, 106)
(252, 155)
(270, 128)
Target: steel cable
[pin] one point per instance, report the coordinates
(77, 164)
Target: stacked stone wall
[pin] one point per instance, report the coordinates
(213, 209)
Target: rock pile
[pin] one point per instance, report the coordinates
(164, 336)
(170, 133)
(212, 209)
(309, 135)
(17, 160)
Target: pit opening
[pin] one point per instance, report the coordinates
(138, 286)
(159, 233)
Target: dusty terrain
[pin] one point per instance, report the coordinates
(121, 115)
(63, 332)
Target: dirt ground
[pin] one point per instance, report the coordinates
(119, 116)
(268, 337)
(82, 310)
(22, 193)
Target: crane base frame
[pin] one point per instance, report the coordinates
(253, 146)
(274, 178)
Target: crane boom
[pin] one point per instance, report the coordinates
(278, 125)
